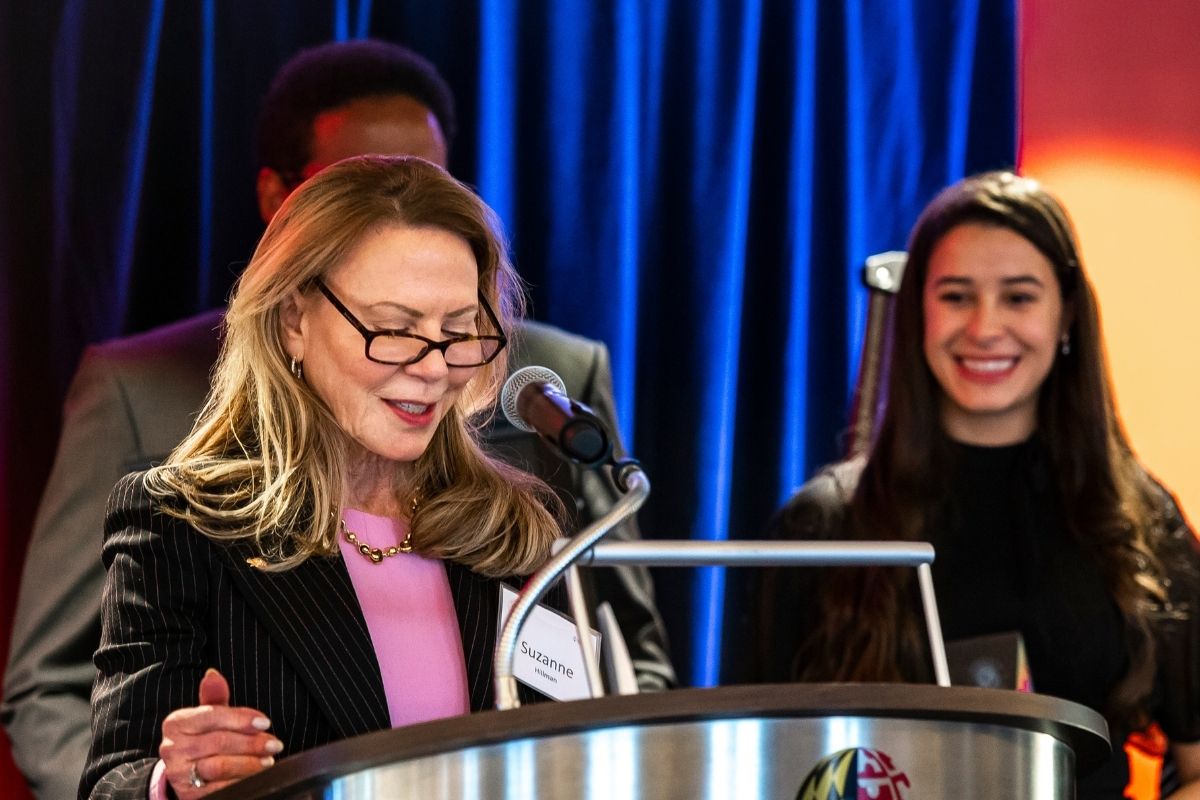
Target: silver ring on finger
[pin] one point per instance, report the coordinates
(194, 776)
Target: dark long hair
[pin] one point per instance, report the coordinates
(1108, 499)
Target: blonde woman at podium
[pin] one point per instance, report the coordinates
(1001, 446)
(321, 557)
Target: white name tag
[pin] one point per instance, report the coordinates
(548, 657)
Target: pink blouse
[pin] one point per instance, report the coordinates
(409, 610)
(410, 615)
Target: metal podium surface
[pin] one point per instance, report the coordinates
(819, 741)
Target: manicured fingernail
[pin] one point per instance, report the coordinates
(267, 762)
(273, 746)
(262, 723)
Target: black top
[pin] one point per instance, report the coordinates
(1001, 542)
(1006, 562)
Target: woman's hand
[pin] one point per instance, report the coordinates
(211, 745)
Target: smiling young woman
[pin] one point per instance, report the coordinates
(1000, 444)
(994, 321)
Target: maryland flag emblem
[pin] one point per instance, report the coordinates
(855, 774)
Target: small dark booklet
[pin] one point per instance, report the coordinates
(996, 661)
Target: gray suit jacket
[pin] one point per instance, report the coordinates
(132, 400)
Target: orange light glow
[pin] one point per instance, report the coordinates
(1137, 212)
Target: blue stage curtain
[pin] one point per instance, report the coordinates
(694, 182)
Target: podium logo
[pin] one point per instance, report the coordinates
(855, 774)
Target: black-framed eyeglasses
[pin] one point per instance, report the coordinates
(401, 348)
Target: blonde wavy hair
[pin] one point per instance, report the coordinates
(266, 461)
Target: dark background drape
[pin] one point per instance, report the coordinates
(696, 182)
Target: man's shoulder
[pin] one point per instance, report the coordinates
(159, 380)
(533, 339)
(189, 341)
(579, 361)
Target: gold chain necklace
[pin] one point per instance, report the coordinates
(376, 554)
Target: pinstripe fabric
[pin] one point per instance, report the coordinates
(293, 645)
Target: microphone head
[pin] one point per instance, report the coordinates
(518, 381)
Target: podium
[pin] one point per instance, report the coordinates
(818, 741)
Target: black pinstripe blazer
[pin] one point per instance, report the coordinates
(293, 645)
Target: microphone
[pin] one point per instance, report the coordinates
(534, 399)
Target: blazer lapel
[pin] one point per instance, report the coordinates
(314, 615)
(477, 606)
